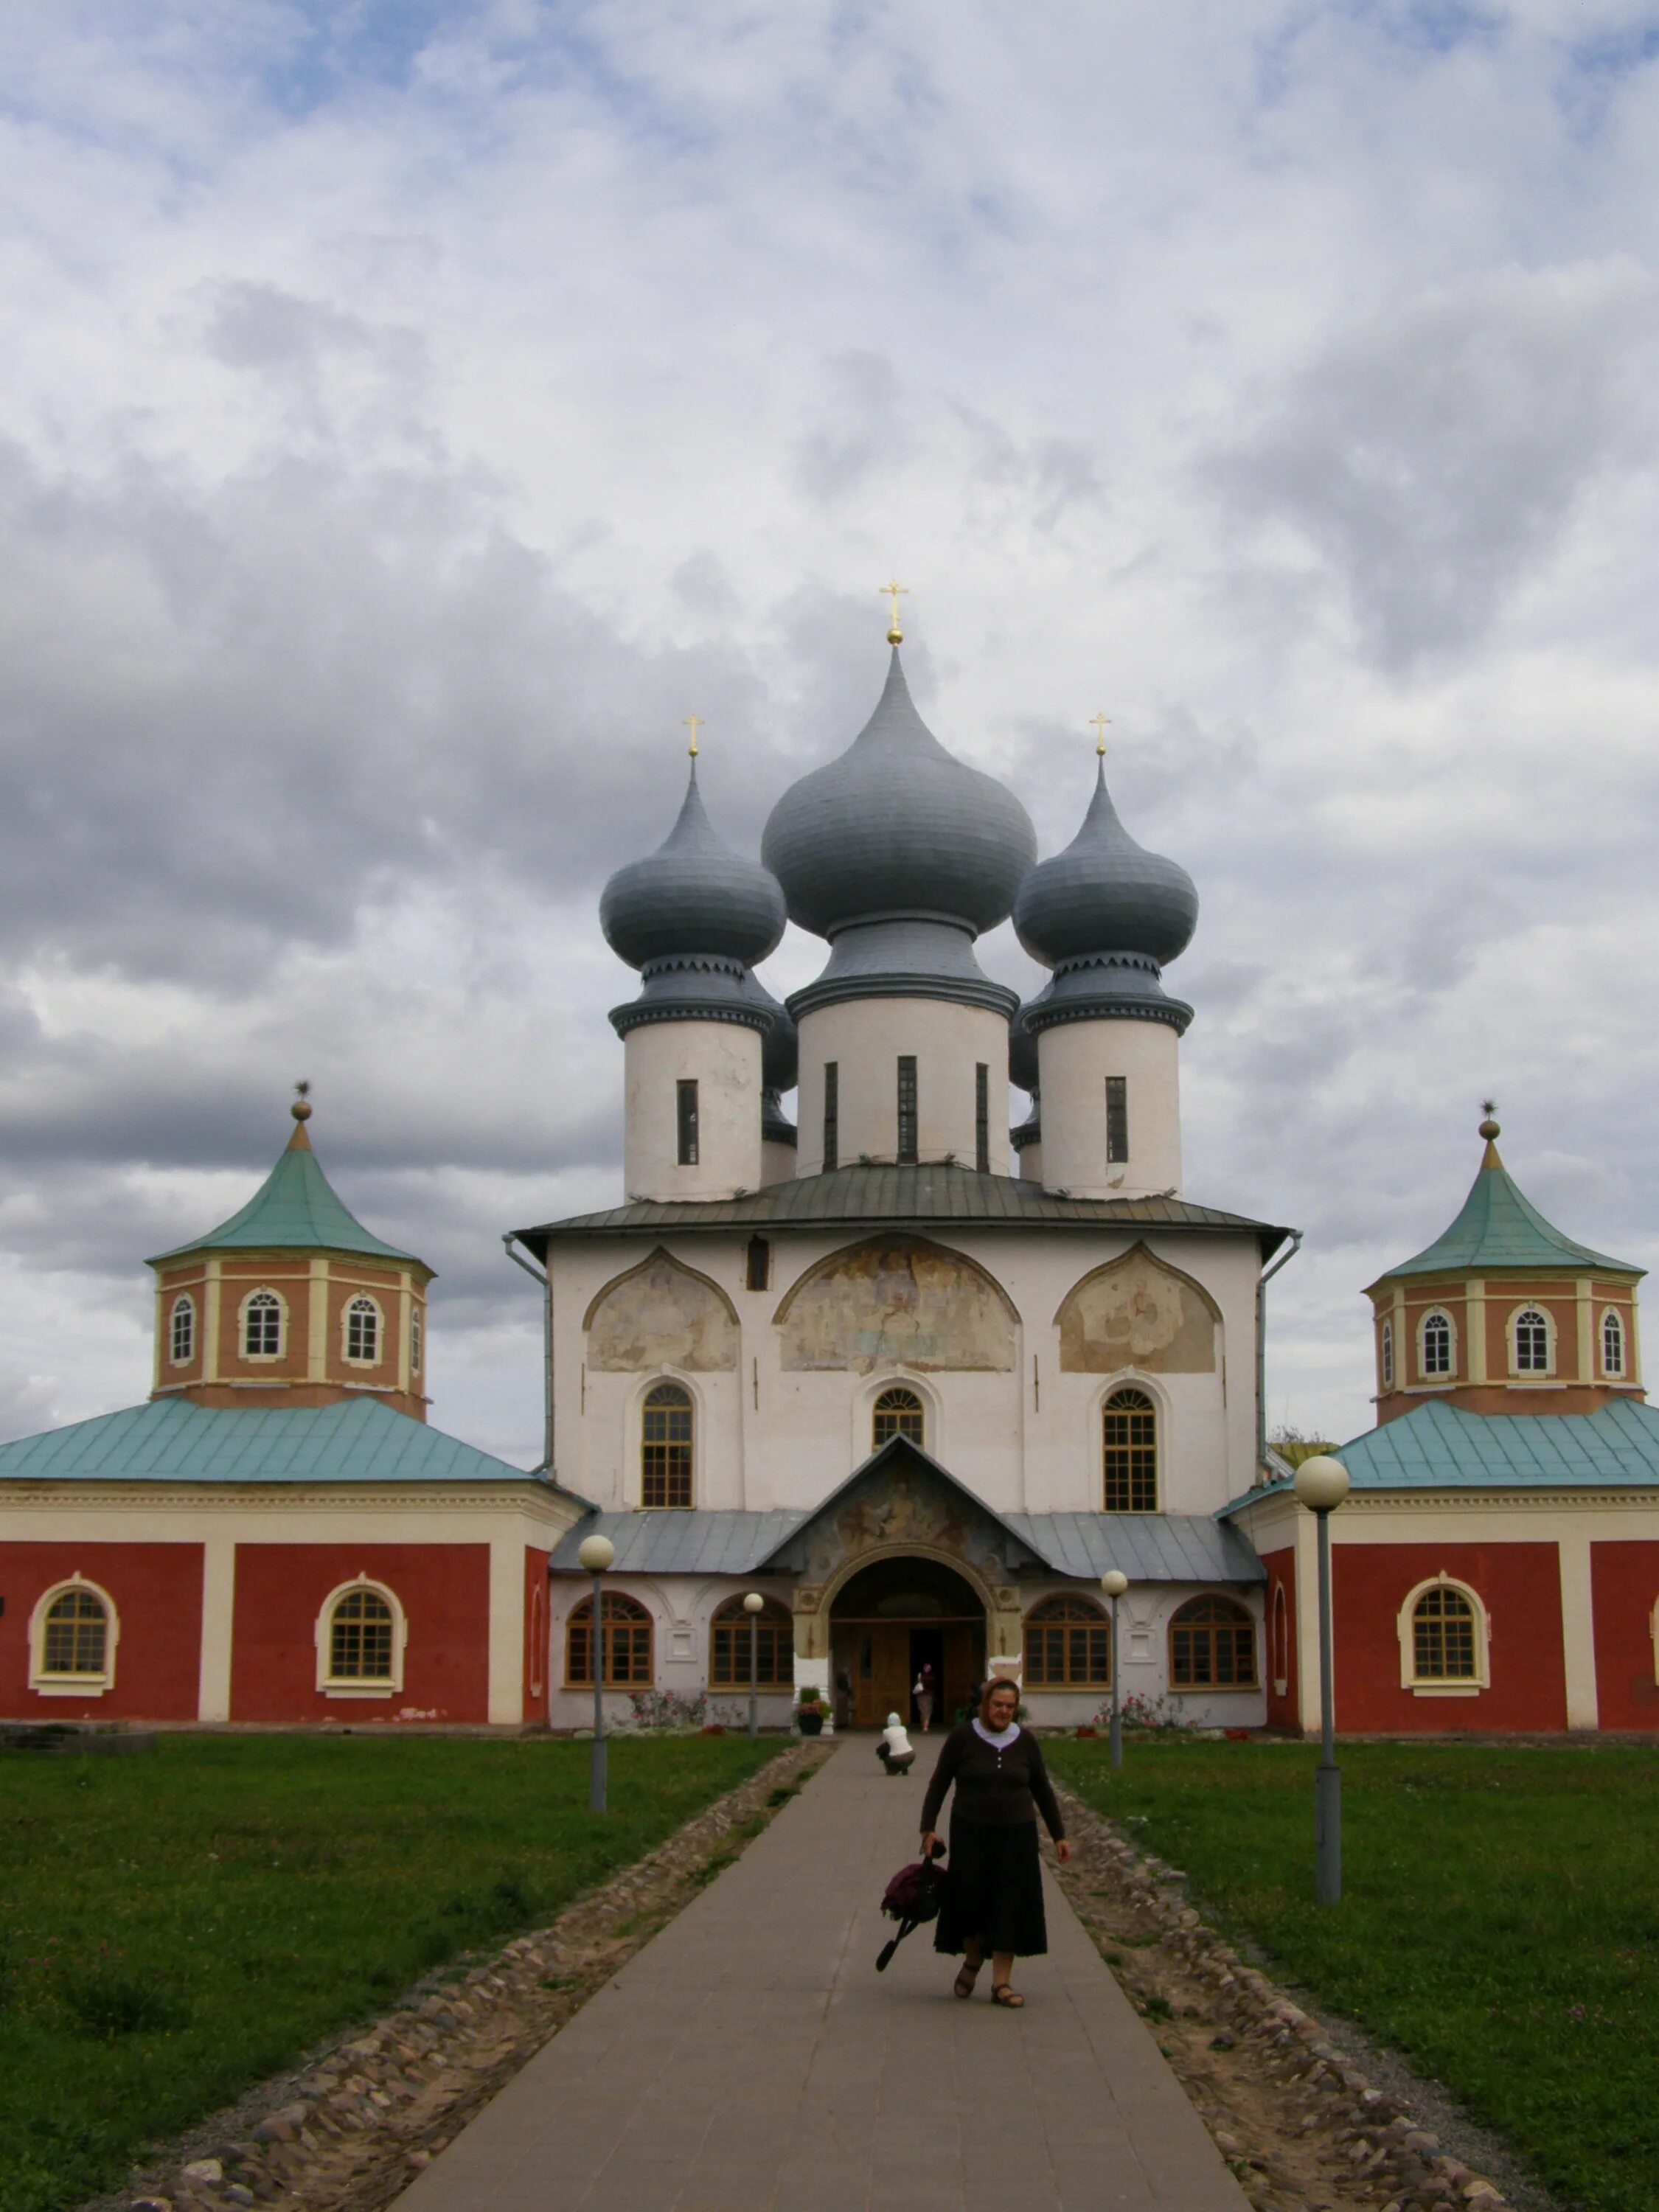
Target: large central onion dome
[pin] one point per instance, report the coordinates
(1105, 893)
(898, 826)
(693, 895)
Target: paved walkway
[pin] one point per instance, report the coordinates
(750, 2059)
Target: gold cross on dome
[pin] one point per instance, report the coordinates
(694, 723)
(1100, 724)
(894, 634)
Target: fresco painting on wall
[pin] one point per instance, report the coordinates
(661, 1314)
(1136, 1313)
(897, 1300)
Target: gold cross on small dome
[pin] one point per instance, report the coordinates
(1100, 724)
(894, 634)
(694, 723)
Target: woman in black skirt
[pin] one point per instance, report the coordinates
(993, 1899)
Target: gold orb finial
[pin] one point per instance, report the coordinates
(694, 723)
(1100, 724)
(300, 1109)
(894, 634)
(1489, 1127)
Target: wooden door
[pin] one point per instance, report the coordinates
(962, 1667)
(882, 1685)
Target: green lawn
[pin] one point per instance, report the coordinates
(174, 1927)
(1499, 1924)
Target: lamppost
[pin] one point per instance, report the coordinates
(1322, 1484)
(1115, 1581)
(596, 1554)
(754, 1605)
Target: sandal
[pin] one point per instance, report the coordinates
(1004, 1993)
(966, 1976)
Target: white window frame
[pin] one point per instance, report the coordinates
(1517, 1373)
(262, 1358)
(417, 1339)
(354, 1685)
(1437, 1379)
(1621, 1373)
(184, 1302)
(1385, 1356)
(72, 1686)
(1434, 1686)
(362, 1298)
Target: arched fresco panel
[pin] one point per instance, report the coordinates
(1136, 1313)
(661, 1314)
(896, 1299)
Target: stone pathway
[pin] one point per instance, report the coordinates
(751, 2059)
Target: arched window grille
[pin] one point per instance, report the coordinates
(1531, 1342)
(415, 1333)
(1387, 1355)
(183, 1331)
(1068, 1646)
(1129, 1450)
(665, 1441)
(1443, 1636)
(1438, 1344)
(627, 1634)
(898, 1412)
(362, 1320)
(76, 1638)
(262, 1326)
(1212, 1646)
(775, 1647)
(1612, 1344)
(362, 1637)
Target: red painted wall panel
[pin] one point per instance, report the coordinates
(535, 1706)
(1623, 1583)
(156, 1590)
(1284, 1710)
(444, 1589)
(1519, 1584)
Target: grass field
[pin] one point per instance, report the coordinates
(175, 1927)
(1499, 1924)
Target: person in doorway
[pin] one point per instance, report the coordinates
(927, 1696)
(993, 1899)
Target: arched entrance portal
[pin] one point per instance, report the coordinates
(889, 1620)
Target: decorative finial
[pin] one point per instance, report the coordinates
(300, 1109)
(1100, 724)
(1490, 1131)
(894, 634)
(694, 723)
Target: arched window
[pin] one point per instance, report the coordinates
(262, 1326)
(363, 1332)
(1437, 1343)
(1444, 1643)
(1068, 1646)
(1612, 1343)
(1531, 1341)
(76, 1639)
(182, 1334)
(665, 1448)
(627, 1628)
(1129, 1426)
(362, 1632)
(416, 1333)
(1281, 1639)
(898, 1413)
(1212, 1646)
(775, 1647)
(1387, 1355)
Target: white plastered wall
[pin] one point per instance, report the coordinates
(865, 1037)
(723, 1059)
(1076, 1058)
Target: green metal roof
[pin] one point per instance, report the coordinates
(862, 1197)
(1441, 1447)
(1499, 1227)
(169, 1440)
(294, 1209)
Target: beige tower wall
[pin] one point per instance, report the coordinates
(724, 1060)
(1075, 1059)
(865, 1037)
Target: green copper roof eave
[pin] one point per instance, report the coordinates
(293, 1210)
(1498, 1227)
(167, 1440)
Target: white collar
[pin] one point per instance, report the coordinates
(1001, 1739)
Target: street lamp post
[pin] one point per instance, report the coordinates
(596, 1554)
(754, 1605)
(1115, 1581)
(1322, 1484)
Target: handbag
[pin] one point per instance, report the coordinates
(913, 1896)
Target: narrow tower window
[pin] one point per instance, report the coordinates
(1387, 1355)
(685, 1094)
(982, 1118)
(184, 1330)
(831, 1114)
(907, 1109)
(1117, 1119)
(1438, 1345)
(1532, 1343)
(760, 1263)
(362, 1344)
(1612, 1344)
(262, 1326)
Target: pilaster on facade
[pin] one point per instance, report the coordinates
(218, 1621)
(1475, 1326)
(317, 1324)
(210, 1320)
(1578, 1629)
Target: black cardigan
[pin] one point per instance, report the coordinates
(995, 1788)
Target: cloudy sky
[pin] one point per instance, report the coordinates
(410, 410)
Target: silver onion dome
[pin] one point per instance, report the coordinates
(1105, 893)
(897, 826)
(693, 895)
